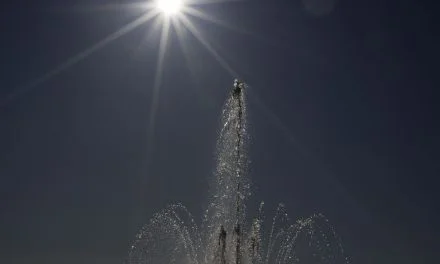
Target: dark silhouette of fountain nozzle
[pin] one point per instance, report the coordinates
(238, 88)
(222, 245)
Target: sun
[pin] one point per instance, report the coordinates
(169, 7)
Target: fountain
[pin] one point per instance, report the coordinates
(172, 235)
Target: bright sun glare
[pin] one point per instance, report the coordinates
(169, 7)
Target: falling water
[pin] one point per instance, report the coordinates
(224, 237)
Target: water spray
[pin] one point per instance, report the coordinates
(172, 235)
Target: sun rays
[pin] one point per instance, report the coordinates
(167, 14)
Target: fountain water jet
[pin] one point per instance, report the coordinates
(172, 236)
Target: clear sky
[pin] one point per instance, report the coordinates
(342, 116)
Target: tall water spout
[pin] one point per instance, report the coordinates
(172, 235)
(227, 206)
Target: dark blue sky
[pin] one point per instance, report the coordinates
(342, 113)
